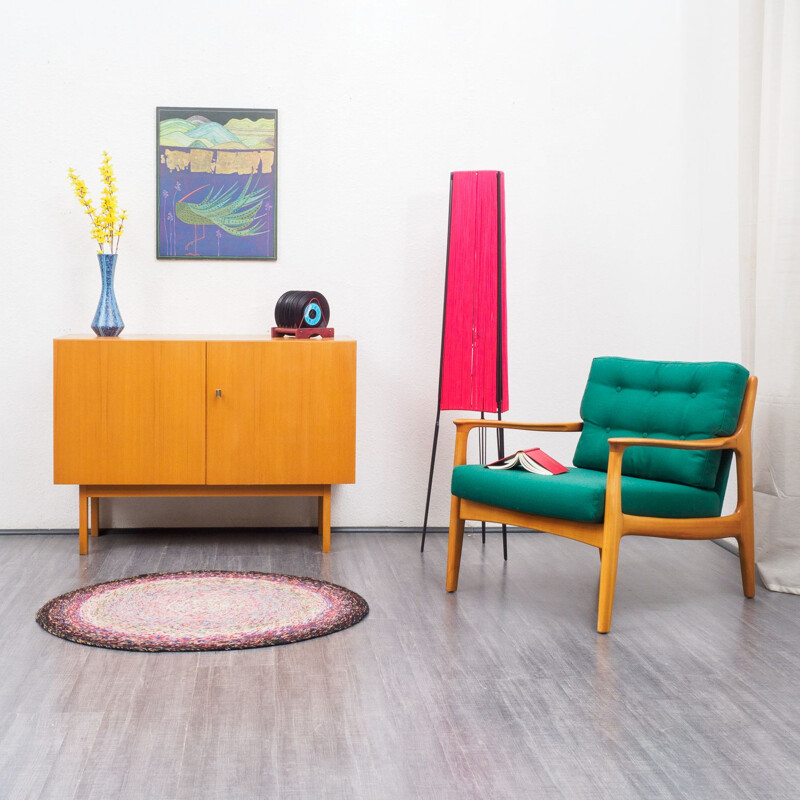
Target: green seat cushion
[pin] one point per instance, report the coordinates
(660, 400)
(580, 494)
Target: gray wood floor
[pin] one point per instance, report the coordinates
(502, 690)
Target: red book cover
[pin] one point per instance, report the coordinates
(544, 464)
(548, 462)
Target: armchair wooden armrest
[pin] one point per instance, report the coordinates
(620, 444)
(469, 424)
(675, 528)
(464, 426)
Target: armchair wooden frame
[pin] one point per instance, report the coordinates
(606, 535)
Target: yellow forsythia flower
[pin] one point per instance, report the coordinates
(107, 223)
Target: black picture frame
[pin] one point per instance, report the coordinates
(216, 183)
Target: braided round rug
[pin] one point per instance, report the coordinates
(201, 610)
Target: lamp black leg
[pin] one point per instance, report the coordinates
(482, 457)
(430, 483)
(501, 451)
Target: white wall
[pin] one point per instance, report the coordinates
(615, 123)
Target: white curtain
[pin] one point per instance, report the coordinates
(770, 274)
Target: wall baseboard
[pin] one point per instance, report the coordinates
(302, 529)
(725, 544)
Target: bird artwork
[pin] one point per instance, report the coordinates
(235, 214)
(217, 169)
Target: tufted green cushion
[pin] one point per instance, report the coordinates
(580, 494)
(661, 400)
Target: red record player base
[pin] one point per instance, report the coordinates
(303, 333)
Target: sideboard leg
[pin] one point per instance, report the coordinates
(95, 516)
(83, 522)
(324, 518)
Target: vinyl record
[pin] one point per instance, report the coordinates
(297, 309)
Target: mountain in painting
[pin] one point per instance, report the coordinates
(258, 134)
(215, 134)
(200, 133)
(176, 132)
(197, 132)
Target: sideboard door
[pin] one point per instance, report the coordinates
(129, 411)
(281, 412)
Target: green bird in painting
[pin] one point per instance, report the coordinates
(237, 215)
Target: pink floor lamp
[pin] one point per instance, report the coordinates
(473, 368)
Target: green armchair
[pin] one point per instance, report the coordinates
(653, 459)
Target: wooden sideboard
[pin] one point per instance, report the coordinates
(203, 416)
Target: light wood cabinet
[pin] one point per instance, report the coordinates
(195, 416)
(284, 414)
(129, 412)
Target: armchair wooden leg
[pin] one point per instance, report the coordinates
(609, 555)
(454, 544)
(747, 560)
(744, 489)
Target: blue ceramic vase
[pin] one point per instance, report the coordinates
(107, 319)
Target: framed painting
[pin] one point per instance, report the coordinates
(217, 182)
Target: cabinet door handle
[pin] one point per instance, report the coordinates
(219, 392)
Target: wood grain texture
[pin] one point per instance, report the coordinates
(129, 411)
(467, 425)
(295, 490)
(145, 417)
(580, 531)
(496, 691)
(324, 518)
(92, 495)
(83, 523)
(286, 413)
(95, 516)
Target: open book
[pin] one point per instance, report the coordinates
(533, 460)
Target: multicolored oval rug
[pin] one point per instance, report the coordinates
(201, 611)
